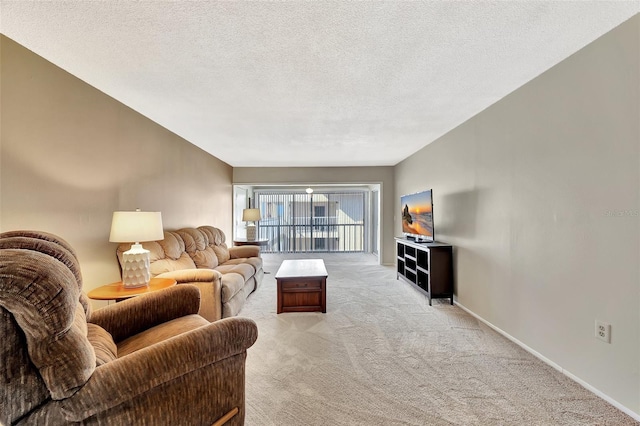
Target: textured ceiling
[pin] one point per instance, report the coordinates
(309, 83)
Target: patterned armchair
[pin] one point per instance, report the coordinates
(147, 360)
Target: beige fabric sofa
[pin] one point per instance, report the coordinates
(226, 276)
(148, 360)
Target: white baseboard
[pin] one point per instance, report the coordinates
(626, 410)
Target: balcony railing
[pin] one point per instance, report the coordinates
(320, 235)
(312, 222)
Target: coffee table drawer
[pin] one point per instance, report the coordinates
(302, 285)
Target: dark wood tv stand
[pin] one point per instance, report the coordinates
(428, 266)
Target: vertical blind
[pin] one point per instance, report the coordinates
(321, 221)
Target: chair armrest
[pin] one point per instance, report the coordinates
(126, 378)
(244, 251)
(192, 275)
(132, 316)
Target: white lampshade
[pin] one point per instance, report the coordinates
(129, 227)
(134, 227)
(251, 215)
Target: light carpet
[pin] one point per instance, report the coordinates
(382, 356)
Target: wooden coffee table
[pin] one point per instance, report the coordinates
(302, 286)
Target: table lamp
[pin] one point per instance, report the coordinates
(136, 227)
(253, 216)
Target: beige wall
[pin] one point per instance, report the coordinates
(540, 195)
(332, 175)
(71, 155)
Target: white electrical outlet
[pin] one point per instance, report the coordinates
(603, 331)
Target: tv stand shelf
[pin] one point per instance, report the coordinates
(428, 266)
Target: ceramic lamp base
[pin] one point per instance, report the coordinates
(135, 267)
(251, 232)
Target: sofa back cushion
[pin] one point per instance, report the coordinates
(216, 239)
(168, 265)
(197, 246)
(170, 247)
(215, 236)
(222, 253)
(166, 255)
(187, 248)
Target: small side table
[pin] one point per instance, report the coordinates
(117, 292)
(245, 242)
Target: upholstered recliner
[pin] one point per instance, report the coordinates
(148, 360)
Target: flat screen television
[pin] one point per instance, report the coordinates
(417, 216)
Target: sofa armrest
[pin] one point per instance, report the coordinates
(209, 282)
(244, 251)
(192, 275)
(132, 316)
(159, 365)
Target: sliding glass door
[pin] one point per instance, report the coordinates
(322, 221)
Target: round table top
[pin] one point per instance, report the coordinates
(245, 242)
(118, 291)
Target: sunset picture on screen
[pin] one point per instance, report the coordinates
(417, 214)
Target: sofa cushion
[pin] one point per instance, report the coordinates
(169, 265)
(232, 284)
(243, 269)
(156, 251)
(165, 255)
(194, 240)
(205, 259)
(160, 333)
(103, 344)
(172, 245)
(216, 240)
(196, 244)
(216, 236)
(256, 262)
(233, 306)
(221, 253)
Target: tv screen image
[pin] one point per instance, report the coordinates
(417, 215)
